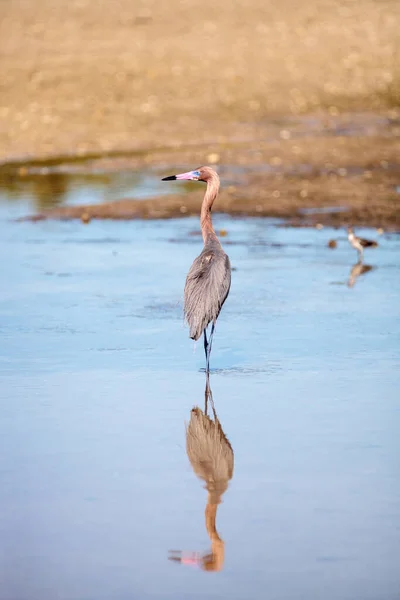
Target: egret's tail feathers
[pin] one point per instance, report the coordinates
(195, 332)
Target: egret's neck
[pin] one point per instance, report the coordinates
(207, 228)
(351, 235)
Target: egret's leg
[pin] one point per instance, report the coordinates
(209, 347)
(211, 337)
(205, 342)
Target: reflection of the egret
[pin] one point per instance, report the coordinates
(211, 457)
(356, 270)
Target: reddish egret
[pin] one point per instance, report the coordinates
(359, 243)
(209, 278)
(212, 459)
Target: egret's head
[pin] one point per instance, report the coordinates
(199, 174)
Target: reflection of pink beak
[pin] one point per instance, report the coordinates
(190, 561)
(190, 558)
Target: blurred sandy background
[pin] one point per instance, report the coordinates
(85, 75)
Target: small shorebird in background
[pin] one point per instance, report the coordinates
(209, 278)
(359, 243)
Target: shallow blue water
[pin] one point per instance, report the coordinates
(98, 377)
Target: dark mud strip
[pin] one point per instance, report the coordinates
(327, 202)
(312, 171)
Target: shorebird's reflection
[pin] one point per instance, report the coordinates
(211, 457)
(356, 270)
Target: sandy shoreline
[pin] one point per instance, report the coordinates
(255, 90)
(80, 77)
(344, 170)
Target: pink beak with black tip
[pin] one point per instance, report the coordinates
(189, 176)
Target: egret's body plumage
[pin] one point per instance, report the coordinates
(207, 287)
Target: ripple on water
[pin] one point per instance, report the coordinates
(269, 368)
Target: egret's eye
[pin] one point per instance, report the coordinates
(196, 174)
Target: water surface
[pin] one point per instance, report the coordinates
(99, 378)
